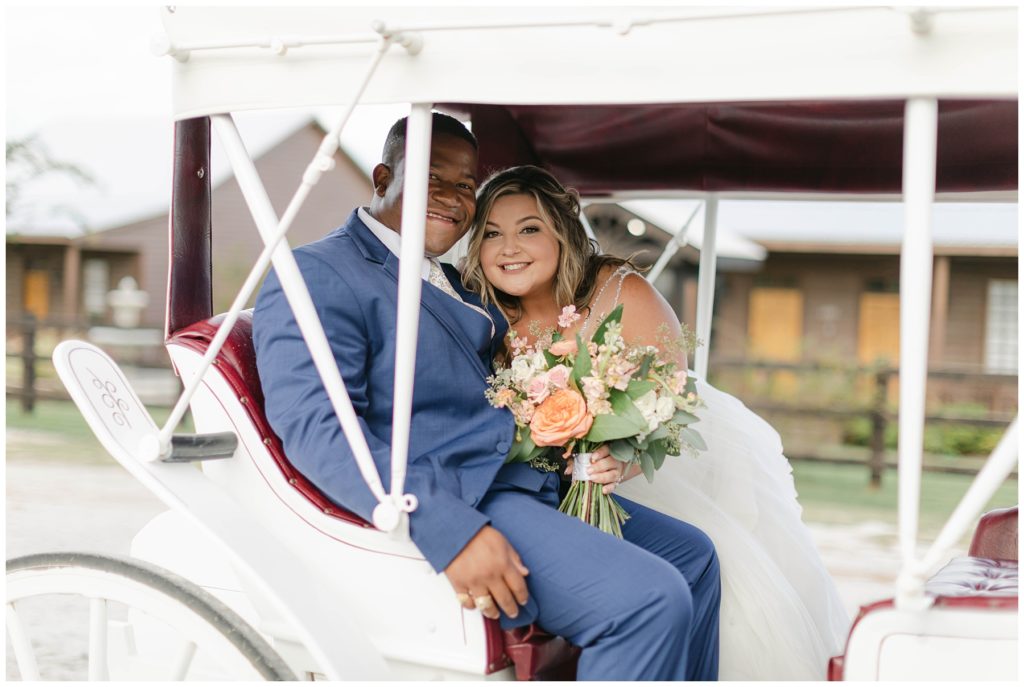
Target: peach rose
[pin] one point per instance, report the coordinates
(563, 347)
(563, 416)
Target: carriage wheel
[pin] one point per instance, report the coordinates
(185, 626)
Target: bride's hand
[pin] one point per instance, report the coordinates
(604, 469)
(597, 454)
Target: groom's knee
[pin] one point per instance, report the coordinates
(668, 606)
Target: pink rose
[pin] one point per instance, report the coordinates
(538, 390)
(558, 376)
(563, 347)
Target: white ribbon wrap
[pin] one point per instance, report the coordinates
(581, 461)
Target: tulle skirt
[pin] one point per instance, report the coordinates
(781, 616)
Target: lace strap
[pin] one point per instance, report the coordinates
(622, 272)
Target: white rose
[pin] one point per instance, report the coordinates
(522, 371)
(665, 408)
(539, 361)
(647, 405)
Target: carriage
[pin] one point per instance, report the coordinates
(253, 573)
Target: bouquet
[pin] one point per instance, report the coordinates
(569, 397)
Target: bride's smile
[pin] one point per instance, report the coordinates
(519, 252)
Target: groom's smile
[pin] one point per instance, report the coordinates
(451, 193)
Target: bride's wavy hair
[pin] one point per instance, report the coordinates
(579, 259)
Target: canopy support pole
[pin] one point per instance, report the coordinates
(998, 466)
(920, 136)
(706, 286)
(677, 241)
(410, 281)
(277, 251)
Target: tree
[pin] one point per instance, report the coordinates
(29, 159)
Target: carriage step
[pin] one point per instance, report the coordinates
(194, 447)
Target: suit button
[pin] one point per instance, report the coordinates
(502, 447)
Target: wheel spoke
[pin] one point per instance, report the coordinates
(98, 640)
(183, 662)
(23, 652)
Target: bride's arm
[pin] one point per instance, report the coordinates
(648, 319)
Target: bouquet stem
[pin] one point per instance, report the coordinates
(589, 503)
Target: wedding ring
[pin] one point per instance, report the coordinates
(483, 602)
(463, 598)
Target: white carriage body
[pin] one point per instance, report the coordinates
(240, 529)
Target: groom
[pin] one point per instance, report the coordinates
(645, 607)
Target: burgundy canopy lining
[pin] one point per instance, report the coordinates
(827, 147)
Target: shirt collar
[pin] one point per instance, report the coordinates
(388, 236)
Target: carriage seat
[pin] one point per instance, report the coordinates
(986, 578)
(535, 654)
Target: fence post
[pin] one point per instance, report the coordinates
(876, 462)
(28, 363)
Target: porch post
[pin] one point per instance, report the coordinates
(72, 277)
(940, 310)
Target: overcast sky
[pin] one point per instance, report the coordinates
(84, 79)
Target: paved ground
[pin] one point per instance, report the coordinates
(60, 505)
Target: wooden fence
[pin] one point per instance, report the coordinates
(31, 341)
(877, 410)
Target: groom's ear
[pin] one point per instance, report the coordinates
(381, 179)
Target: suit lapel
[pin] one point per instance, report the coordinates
(435, 302)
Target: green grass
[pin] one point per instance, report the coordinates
(829, 493)
(56, 430)
(840, 494)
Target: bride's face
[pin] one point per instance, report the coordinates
(519, 252)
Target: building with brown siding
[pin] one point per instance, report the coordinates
(67, 277)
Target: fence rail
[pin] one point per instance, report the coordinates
(28, 335)
(877, 411)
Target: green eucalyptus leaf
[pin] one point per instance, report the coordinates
(693, 438)
(614, 316)
(582, 366)
(656, 450)
(645, 366)
(622, 450)
(647, 465)
(639, 387)
(657, 435)
(551, 360)
(684, 418)
(609, 427)
(622, 405)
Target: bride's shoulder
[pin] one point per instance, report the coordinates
(645, 310)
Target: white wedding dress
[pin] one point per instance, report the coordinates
(781, 616)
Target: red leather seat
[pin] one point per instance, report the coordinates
(996, 535)
(535, 654)
(986, 578)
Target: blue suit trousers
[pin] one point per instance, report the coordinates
(644, 607)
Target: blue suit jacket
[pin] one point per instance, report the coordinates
(458, 442)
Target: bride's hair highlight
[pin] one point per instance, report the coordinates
(579, 260)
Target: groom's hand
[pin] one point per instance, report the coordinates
(488, 566)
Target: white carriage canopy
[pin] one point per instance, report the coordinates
(908, 104)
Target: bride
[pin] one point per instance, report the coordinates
(781, 617)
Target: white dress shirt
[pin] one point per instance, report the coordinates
(393, 242)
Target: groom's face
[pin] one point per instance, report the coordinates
(451, 193)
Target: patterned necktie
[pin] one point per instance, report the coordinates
(438, 279)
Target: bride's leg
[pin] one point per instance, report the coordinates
(692, 553)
